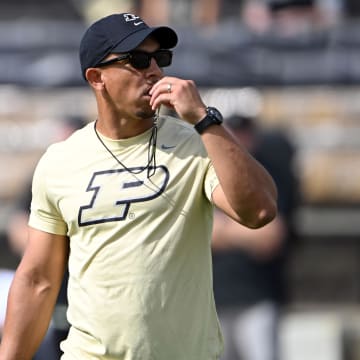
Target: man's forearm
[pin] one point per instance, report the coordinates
(248, 187)
(30, 306)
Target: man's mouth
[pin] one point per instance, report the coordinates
(147, 92)
(150, 86)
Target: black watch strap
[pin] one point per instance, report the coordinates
(212, 117)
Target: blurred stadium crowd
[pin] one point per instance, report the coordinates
(294, 65)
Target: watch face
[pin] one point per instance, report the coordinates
(216, 114)
(213, 117)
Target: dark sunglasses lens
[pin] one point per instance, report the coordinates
(163, 58)
(141, 60)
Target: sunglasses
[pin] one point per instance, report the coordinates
(141, 59)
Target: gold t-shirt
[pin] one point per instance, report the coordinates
(140, 283)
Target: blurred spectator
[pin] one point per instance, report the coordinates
(297, 17)
(17, 236)
(213, 12)
(206, 12)
(291, 17)
(256, 16)
(249, 265)
(155, 11)
(93, 10)
(352, 8)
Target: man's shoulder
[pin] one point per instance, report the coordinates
(75, 142)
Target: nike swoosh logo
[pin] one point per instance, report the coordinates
(167, 147)
(138, 23)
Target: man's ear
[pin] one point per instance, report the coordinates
(94, 78)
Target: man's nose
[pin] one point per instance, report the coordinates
(154, 64)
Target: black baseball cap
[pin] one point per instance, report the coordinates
(119, 33)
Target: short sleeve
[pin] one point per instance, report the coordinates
(211, 182)
(44, 214)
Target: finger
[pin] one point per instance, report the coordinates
(164, 90)
(163, 84)
(161, 99)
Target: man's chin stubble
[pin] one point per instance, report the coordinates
(145, 114)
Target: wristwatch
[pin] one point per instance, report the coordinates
(213, 117)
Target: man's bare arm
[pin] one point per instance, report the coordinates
(33, 294)
(247, 192)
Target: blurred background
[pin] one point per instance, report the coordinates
(292, 65)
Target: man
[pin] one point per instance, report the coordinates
(127, 202)
(249, 264)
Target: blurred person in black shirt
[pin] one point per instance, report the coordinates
(249, 265)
